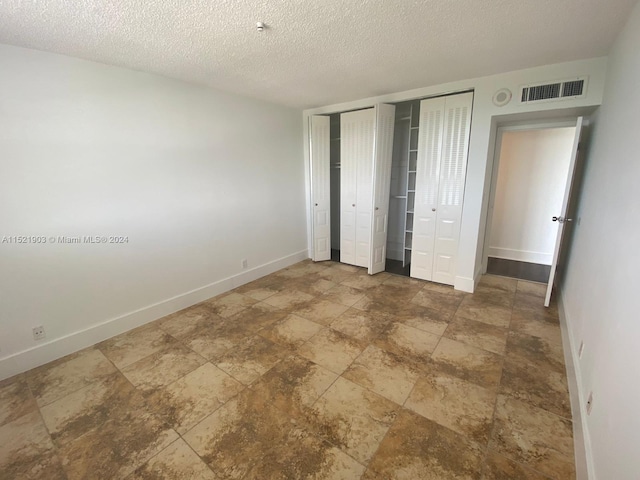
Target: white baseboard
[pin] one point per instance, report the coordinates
(59, 347)
(581, 439)
(464, 284)
(521, 255)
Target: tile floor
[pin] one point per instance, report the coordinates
(318, 371)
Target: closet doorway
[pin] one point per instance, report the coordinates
(531, 188)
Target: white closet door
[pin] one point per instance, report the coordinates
(427, 173)
(385, 124)
(321, 188)
(356, 185)
(453, 169)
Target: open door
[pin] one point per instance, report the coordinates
(320, 187)
(383, 151)
(562, 219)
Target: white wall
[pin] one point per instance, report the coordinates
(602, 283)
(483, 128)
(196, 179)
(532, 176)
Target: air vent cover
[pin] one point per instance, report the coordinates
(574, 88)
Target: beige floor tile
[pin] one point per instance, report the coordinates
(262, 288)
(533, 307)
(352, 418)
(467, 362)
(314, 285)
(443, 289)
(501, 283)
(256, 317)
(401, 281)
(478, 334)
(501, 468)
(343, 295)
(332, 349)
(532, 288)
(214, 340)
(116, 448)
(393, 295)
(16, 399)
(416, 448)
(251, 358)
(535, 327)
(539, 350)
(112, 398)
(385, 373)
(363, 281)
(363, 326)
(288, 299)
(537, 384)
(294, 385)
(535, 437)
(291, 332)
(163, 367)
(187, 401)
(462, 406)
(423, 318)
(411, 343)
(183, 323)
(177, 461)
(229, 304)
(437, 301)
(250, 439)
(322, 311)
(497, 315)
(26, 451)
(128, 348)
(68, 374)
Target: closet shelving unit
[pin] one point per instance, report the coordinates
(412, 160)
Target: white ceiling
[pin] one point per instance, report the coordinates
(317, 52)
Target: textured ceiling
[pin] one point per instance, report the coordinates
(317, 52)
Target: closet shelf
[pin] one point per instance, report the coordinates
(411, 191)
(407, 248)
(405, 118)
(414, 128)
(399, 196)
(412, 171)
(413, 150)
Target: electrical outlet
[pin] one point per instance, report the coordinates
(39, 333)
(581, 349)
(589, 403)
(245, 263)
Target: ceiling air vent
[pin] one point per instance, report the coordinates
(574, 88)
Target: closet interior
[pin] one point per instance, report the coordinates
(334, 174)
(403, 187)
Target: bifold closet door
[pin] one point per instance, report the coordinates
(320, 185)
(385, 125)
(443, 145)
(357, 135)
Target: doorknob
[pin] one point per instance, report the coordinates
(433, 209)
(377, 208)
(353, 204)
(316, 204)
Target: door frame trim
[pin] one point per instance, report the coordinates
(495, 167)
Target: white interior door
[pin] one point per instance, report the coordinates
(321, 187)
(427, 173)
(453, 169)
(562, 218)
(364, 196)
(356, 189)
(385, 123)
